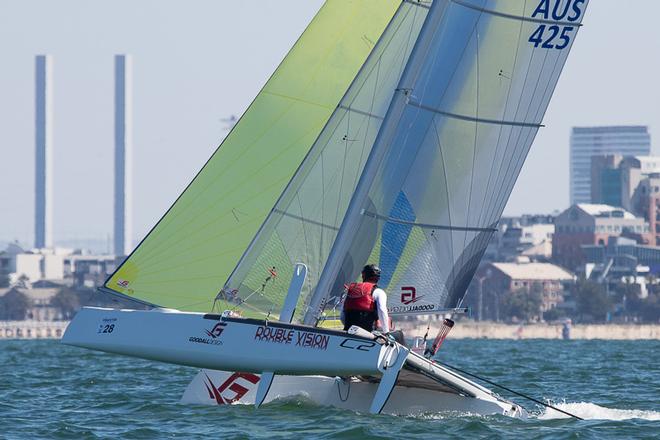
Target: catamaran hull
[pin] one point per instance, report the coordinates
(229, 344)
(221, 388)
(275, 360)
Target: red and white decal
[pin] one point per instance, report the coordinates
(231, 390)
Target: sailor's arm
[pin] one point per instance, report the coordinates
(381, 307)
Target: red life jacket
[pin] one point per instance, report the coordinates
(360, 297)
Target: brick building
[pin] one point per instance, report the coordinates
(499, 279)
(590, 224)
(646, 203)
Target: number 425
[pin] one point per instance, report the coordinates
(546, 39)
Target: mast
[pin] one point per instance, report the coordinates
(351, 220)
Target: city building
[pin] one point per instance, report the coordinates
(26, 267)
(89, 270)
(633, 170)
(41, 267)
(39, 307)
(622, 248)
(622, 262)
(632, 183)
(591, 224)
(646, 203)
(591, 141)
(606, 179)
(517, 239)
(495, 280)
(615, 178)
(529, 235)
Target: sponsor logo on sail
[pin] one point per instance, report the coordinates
(213, 335)
(409, 295)
(123, 283)
(408, 299)
(232, 389)
(297, 338)
(413, 308)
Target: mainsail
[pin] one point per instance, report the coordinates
(185, 259)
(466, 111)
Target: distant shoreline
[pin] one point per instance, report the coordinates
(493, 330)
(468, 330)
(32, 329)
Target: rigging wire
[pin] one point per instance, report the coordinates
(490, 382)
(426, 335)
(272, 274)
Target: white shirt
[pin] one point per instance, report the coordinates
(380, 297)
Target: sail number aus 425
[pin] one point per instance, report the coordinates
(555, 36)
(551, 37)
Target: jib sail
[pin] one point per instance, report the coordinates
(186, 258)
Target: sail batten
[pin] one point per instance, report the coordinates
(388, 219)
(361, 112)
(471, 118)
(305, 220)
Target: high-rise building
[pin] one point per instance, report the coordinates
(123, 154)
(606, 179)
(590, 141)
(43, 209)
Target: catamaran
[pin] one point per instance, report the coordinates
(392, 133)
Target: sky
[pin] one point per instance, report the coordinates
(196, 63)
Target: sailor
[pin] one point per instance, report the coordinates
(366, 302)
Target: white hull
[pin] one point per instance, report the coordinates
(402, 382)
(211, 387)
(230, 344)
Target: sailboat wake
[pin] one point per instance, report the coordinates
(591, 411)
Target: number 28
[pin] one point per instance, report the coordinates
(108, 328)
(546, 41)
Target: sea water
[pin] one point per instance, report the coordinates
(48, 390)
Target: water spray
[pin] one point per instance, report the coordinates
(490, 382)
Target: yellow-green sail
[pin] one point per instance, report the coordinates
(185, 259)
